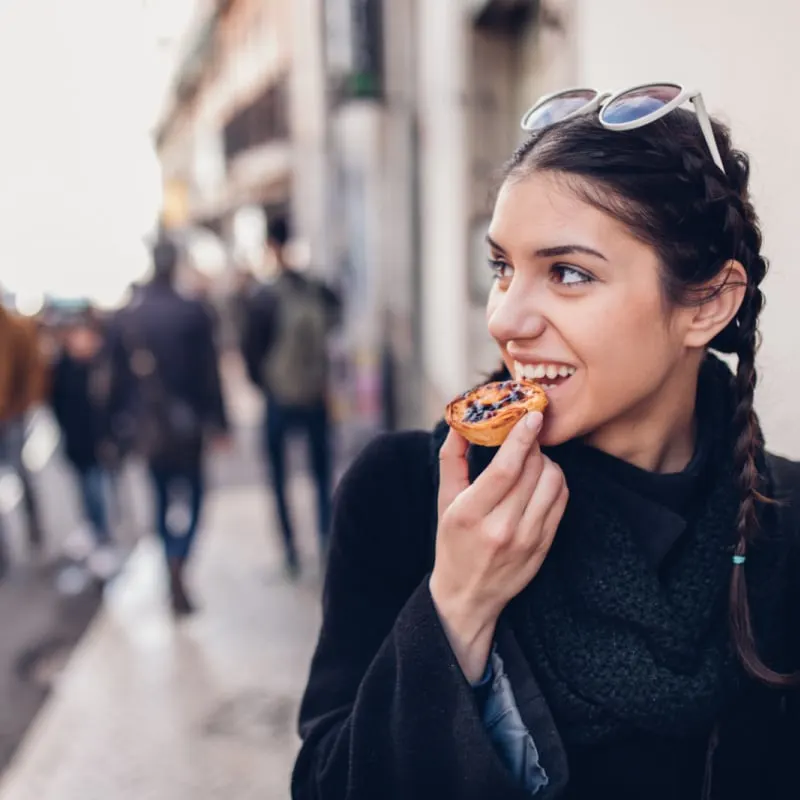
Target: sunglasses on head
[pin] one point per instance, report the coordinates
(623, 111)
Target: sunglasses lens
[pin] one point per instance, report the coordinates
(557, 108)
(639, 103)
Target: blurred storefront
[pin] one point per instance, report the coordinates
(224, 135)
(256, 126)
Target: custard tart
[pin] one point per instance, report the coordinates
(486, 415)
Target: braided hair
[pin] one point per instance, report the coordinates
(661, 183)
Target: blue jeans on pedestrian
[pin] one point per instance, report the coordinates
(312, 422)
(175, 488)
(92, 481)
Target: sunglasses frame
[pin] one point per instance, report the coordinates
(602, 100)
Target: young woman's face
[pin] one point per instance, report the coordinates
(577, 304)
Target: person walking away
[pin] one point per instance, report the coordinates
(23, 377)
(285, 348)
(78, 397)
(166, 399)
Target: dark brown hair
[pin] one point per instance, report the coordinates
(661, 182)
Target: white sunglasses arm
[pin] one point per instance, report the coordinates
(708, 131)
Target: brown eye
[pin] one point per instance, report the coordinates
(501, 270)
(571, 276)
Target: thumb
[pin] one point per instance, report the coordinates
(453, 470)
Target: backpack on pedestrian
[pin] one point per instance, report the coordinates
(295, 369)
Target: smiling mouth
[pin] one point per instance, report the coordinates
(546, 374)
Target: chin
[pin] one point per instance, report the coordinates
(557, 431)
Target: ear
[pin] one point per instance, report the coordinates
(725, 295)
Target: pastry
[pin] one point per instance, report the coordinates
(486, 415)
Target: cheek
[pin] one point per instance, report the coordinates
(626, 339)
(624, 358)
(492, 303)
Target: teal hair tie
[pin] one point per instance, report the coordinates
(739, 559)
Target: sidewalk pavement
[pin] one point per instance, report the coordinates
(204, 708)
(46, 599)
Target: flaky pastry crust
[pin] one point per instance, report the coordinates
(486, 415)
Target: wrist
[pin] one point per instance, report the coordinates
(469, 632)
(464, 614)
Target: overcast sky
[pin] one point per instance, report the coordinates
(79, 183)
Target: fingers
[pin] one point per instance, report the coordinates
(547, 503)
(554, 516)
(511, 508)
(500, 477)
(453, 470)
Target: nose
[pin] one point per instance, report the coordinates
(515, 314)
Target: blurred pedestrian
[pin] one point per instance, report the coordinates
(285, 348)
(79, 398)
(23, 378)
(166, 400)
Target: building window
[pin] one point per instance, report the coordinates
(264, 120)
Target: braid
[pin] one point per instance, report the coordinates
(749, 444)
(742, 227)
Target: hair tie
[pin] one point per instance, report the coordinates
(739, 560)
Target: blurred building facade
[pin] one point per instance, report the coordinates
(381, 124)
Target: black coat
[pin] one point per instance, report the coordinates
(388, 714)
(80, 408)
(179, 332)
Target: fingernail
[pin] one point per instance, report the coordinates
(533, 421)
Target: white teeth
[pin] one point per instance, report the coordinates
(539, 371)
(548, 386)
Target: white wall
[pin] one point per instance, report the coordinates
(309, 129)
(442, 63)
(744, 56)
(399, 246)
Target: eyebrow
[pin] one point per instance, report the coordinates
(552, 252)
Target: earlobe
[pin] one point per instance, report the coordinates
(718, 302)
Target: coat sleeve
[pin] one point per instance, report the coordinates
(785, 475)
(259, 331)
(210, 393)
(387, 712)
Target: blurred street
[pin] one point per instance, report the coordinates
(160, 697)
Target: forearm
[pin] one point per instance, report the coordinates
(470, 635)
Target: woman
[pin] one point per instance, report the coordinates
(606, 606)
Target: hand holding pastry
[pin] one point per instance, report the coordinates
(493, 535)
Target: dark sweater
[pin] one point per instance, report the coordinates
(388, 713)
(80, 412)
